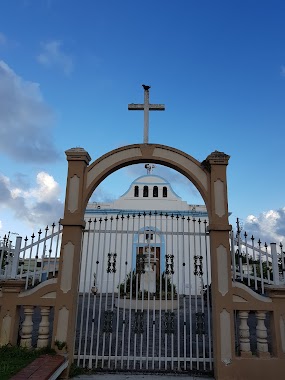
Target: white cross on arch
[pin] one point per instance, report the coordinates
(146, 107)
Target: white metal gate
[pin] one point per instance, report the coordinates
(144, 293)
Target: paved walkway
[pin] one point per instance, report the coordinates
(133, 376)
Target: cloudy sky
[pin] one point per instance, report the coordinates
(68, 70)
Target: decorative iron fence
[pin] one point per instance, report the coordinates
(256, 264)
(34, 260)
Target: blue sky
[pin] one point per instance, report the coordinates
(69, 69)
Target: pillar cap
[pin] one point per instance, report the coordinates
(276, 291)
(218, 158)
(77, 154)
(12, 286)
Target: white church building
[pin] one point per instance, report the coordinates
(149, 236)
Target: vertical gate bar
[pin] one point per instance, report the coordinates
(2, 263)
(239, 252)
(178, 291)
(131, 293)
(109, 273)
(282, 256)
(201, 292)
(93, 238)
(23, 258)
(119, 289)
(50, 249)
(209, 296)
(142, 303)
(260, 266)
(88, 268)
(172, 253)
(148, 293)
(160, 291)
(166, 292)
(106, 294)
(83, 294)
(113, 290)
(36, 257)
(118, 296)
(190, 292)
(102, 257)
(57, 248)
(154, 298)
(168, 247)
(137, 287)
(30, 256)
(5, 259)
(43, 254)
(267, 264)
(91, 251)
(97, 239)
(196, 299)
(247, 259)
(254, 261)
(125, 291)
(184, 291)
(86, 289)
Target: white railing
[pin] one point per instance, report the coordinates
(34, 261)
(256, 264)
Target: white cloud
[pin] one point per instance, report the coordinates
(101, 195)
(269, 226)
(47, 189)
(3, 39)
(53, 56)
(38, 205)
(25, 119)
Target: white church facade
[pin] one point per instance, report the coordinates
(149, 236)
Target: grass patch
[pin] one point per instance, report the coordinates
(14, 358)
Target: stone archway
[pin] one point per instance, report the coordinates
(209, 177)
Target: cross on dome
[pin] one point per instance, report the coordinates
(149, 168)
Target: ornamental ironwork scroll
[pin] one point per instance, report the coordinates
(140, 264)
(112, 259)
(198, 265)
(169, 322)
(169, 264)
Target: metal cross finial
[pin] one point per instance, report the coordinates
(146, 107)
(149, 168)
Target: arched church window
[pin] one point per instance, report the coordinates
(164, 192)
(136, 191)
(155, 191)
(145, 191)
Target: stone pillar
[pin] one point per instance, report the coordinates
(69, 265)
(261, 335)
(222, 312)
(244, 335)
(27, 327)
(9, 312)
(44, 327)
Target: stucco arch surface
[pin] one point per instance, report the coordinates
(141, 153)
